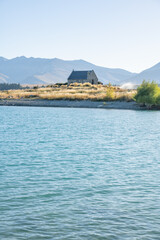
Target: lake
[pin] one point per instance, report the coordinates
(79, 174)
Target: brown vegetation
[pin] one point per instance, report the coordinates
(74, 91)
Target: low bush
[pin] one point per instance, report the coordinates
(110, 95)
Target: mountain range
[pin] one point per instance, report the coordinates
(48, 71)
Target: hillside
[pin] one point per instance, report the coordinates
(150, 74)
(45, 71)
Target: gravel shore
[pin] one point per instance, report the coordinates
(72, 104)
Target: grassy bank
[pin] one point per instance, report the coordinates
(75, 91)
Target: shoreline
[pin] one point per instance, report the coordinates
(72, 104)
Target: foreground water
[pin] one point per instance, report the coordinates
(79, 174)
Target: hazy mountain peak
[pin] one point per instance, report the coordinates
(3, 59)
(42, 70)
(150, 74)
(156, 66)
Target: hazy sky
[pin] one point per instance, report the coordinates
(111, 33)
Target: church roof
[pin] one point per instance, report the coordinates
(78, 75)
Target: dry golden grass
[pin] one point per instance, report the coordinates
(74, 91)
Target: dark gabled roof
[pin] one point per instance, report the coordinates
(78, 75)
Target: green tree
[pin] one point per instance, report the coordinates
(148, 93)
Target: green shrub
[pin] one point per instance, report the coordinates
(148, 93)
(110, 95)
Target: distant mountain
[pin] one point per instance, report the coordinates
(45, 71)
(150, 74)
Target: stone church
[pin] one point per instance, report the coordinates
(83, 77)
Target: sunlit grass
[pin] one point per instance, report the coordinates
(76, 91)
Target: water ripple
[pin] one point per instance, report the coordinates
(79, 174)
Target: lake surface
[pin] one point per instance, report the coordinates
(79, 174)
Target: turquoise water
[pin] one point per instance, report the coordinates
(79, 174)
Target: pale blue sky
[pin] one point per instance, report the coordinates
(110, 33)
